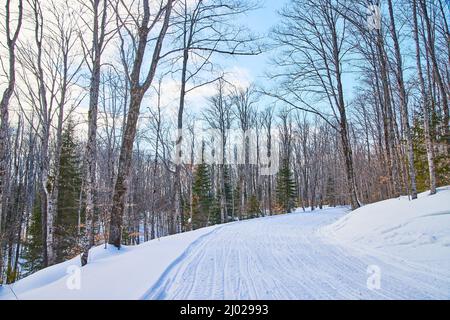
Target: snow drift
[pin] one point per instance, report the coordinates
(110, 274)
(413, 230)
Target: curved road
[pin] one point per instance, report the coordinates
(284, 257)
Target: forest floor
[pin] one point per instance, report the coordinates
(394, 249)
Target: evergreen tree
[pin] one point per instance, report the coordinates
(254, 209)
(236, 201)
(202, 199)
(68, 197)
(228, 192)
(286, 188)
(32, 249)
(420, 156)
(214, 210)
(441, 161)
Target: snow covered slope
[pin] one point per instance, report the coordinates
(324, 254)
(417, 230)
(110, 274)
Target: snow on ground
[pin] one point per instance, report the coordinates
(324, 254)
(416, 231)
(110, 274)
(288, 257)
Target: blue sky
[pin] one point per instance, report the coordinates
(259, 21)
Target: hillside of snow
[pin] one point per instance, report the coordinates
(323, 254)
(416, 231)
(110, 274)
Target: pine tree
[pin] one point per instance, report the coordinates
(441, 161)
(202, 199)
(286, 188)
(31, 257)
(228, 192)
(236, 201)
(214, 210)
(68, 198)
(254, 209)
(420, 155)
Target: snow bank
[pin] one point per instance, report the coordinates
(416, 231)
(127, 273)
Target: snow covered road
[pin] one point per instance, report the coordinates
(285, 257)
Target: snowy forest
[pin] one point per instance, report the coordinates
(116, 114)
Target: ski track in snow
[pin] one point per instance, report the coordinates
(285, 257)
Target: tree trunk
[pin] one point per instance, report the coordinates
(346, 146)
(425, 105)
(389, 128)
(179, 152)
(4, 113)
(120, 189)
(403, 103)
(90, 156)
(91, 162)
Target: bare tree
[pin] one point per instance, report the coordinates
(99, 11)
(49, 72)
(312, 34)
(425, 102)
(431, 50)
(267, 122)
(45, 114)
(11, 39)
(205, 28)
(219, 117)
(67, 65)
(403, 101)
(137, 92)
(244, 100)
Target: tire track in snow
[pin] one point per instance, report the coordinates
(162, 281)
(283, 257)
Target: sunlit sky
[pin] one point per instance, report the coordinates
(260, 21)
(240, 70)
